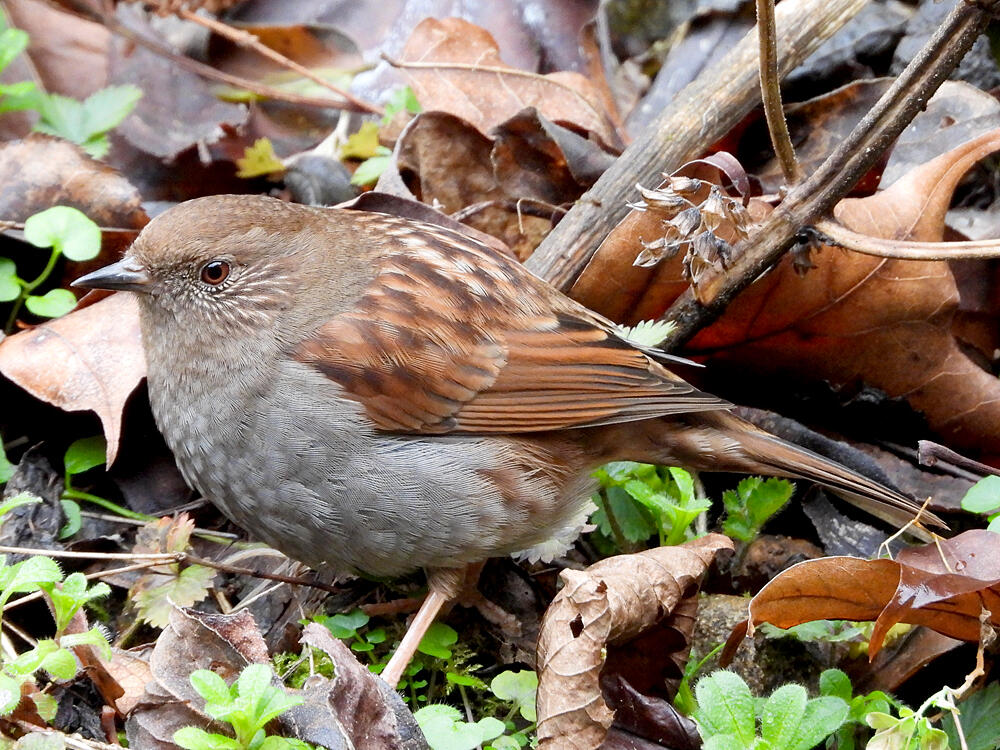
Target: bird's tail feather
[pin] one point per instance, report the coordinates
(721, 441)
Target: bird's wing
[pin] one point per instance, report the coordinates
(451, 336)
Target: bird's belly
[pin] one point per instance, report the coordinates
(308, 478)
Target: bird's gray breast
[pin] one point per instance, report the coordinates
(287, 457)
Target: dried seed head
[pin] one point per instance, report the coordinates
(685, 186)
(656, 251)
(687, 221)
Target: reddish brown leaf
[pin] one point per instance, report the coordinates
(947, 587)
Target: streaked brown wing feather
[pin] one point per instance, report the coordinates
(452, 337)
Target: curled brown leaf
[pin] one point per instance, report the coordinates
(948, 587)
(610, 602)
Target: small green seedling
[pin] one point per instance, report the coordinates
(730, 719)
(350, 627)
(247, 706)
(519, 688)
(984, 497)
(53, 656)
(364, 143)
(833, 682)
(82, 456)
(13, 95)
(752, 504)
(67, 232)
(909, 730)
(88, 122)
(684, 701)
(444, 729)
(85, 123)
(640, 500)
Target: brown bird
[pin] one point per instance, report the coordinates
(377, 394)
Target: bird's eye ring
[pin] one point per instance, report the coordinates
(215, 272)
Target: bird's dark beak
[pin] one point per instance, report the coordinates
(125, 275)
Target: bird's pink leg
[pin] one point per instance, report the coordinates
(443, 586)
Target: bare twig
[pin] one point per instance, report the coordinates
(160, 557)
(770, 90)
(207, 71)
(167, 558)
(239, 570)
(929, 453)
(817, 194)
(525, 206)
(248, 40)
(840, 235)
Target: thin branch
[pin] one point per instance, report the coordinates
(239, 570)
(817, 195)
(35, 595)
(770, 91)
(838, 234)
(160, 557)
(223, 536)
(249, 41)
(929, 453)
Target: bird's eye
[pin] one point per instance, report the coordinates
(215, 272)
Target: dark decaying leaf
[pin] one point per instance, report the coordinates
(170, 95)
(37, 524)
(371, 713)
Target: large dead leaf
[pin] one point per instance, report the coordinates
(461, 72)
(91, 359)
(852, 318)
(950, 587)
(610, 602)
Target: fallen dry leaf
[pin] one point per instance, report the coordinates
(91, 359)
(948, 587)
(610, 602)
(461, 72)
(131, 671)
(41, 171)
(851, 318)
(68, 51)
